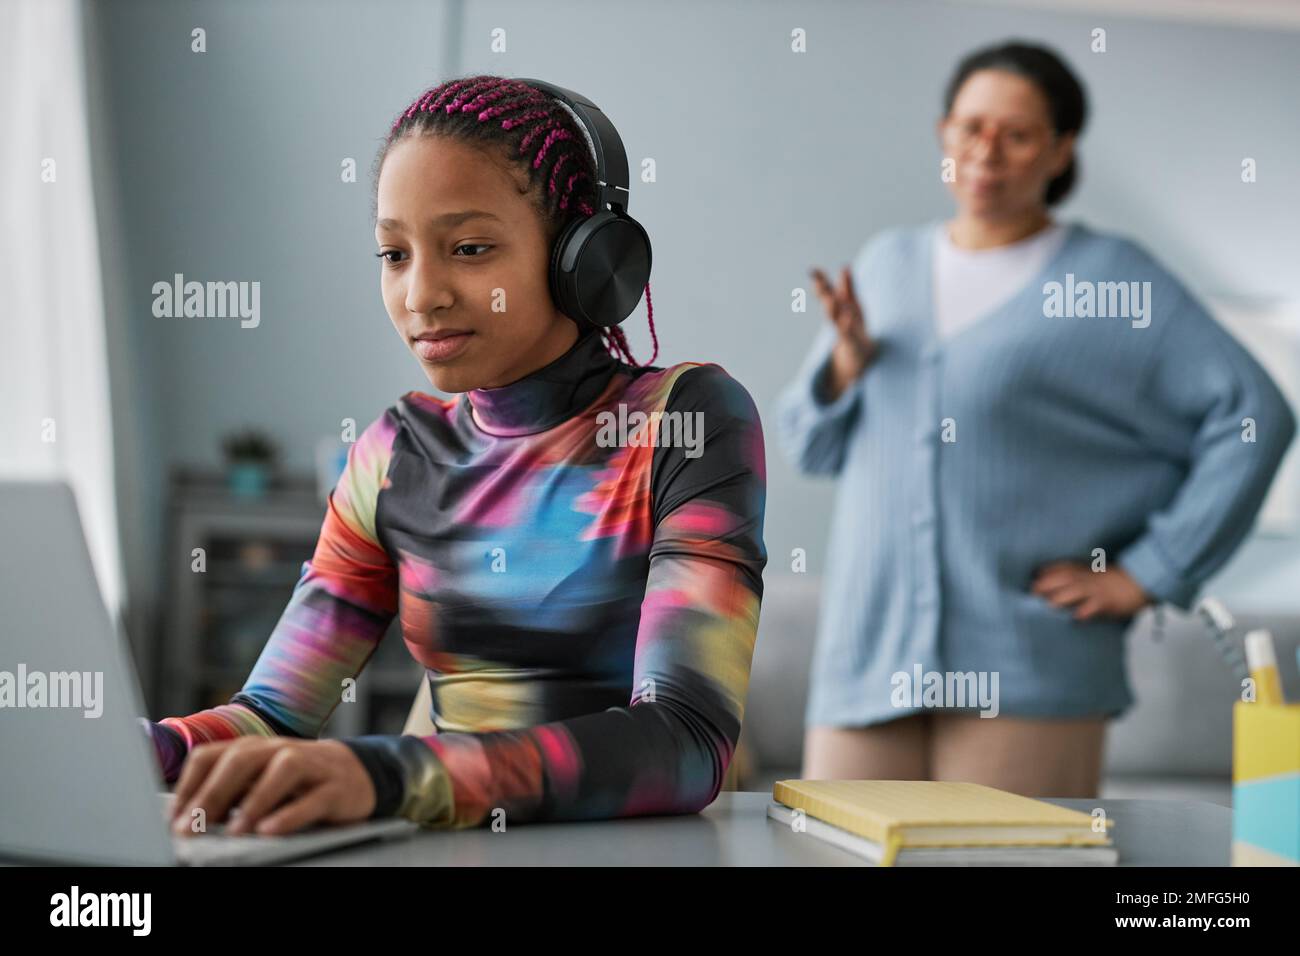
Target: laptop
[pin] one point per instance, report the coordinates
(80, 782)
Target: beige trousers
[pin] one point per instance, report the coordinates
(1033, 757)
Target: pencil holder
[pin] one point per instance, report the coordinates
(1265, 784)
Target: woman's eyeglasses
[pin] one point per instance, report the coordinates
(1016, 142)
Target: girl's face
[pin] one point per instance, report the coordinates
(999, 132)
(463, 249)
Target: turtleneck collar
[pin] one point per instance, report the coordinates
(547, 396)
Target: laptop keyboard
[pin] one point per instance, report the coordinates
(207, 848)
(216, 846)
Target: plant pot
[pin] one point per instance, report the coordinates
(248, 479)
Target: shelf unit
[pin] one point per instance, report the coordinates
(218, 620)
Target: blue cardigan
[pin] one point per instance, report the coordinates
(1039, 433)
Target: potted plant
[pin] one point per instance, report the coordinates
(250, 460)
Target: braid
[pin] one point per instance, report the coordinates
(542, 135)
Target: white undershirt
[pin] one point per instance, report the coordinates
(971, 283)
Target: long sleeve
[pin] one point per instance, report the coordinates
(814, 432)
(339, 610)
(668, 750)
(1200, 390)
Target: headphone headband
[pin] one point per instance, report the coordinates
(611, 158)
(600, 264)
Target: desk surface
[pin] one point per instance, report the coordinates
(735, 831)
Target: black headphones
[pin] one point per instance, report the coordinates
(600, 265)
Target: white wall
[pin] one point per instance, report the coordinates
(226, 167)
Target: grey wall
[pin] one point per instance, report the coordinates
(225, 165)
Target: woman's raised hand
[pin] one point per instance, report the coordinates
(854, 349)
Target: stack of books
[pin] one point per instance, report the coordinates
(931, 823)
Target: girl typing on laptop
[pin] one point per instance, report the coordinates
(585, 602)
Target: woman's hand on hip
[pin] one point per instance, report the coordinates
(1109, 593)
(274, 785)
(854, 349)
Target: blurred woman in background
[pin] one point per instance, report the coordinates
(1038, 432)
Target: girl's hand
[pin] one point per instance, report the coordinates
(1109, 593)
(276, 785)
(855, 348)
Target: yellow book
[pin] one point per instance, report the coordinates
(897, 815)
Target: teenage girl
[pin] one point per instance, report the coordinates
(585, 610)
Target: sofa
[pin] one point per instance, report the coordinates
(1174, 743)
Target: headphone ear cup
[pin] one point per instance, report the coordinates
(599, 268)
(561, 290)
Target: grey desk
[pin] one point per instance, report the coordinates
(735, 831)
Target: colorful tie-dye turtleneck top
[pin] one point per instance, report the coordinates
(583, 593)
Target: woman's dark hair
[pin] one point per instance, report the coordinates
(1064, 93)
(536, 133)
